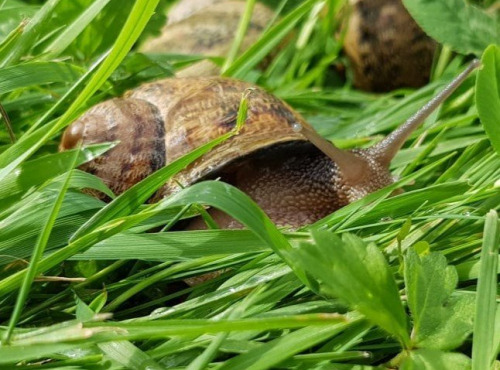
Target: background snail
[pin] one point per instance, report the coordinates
(385, 46)
(291, 179)
(207, 28)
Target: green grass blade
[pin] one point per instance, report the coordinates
(137, 288)
(34, 135)
(14, 280)
(37, 171)
(268, 41)
(129, 200)
(240, 34)
(238, 205)
(36, 73)
(30, 34)
(202, 361)
(37, 134)
(201, 326)
(123, 352)
(130, 356)
(37, 253)
(488, 94)
(280, 349)
(51, 340)
(483, 351)
(250, 281)
(11, 39)
(21, 222)
(266, 232)
(70, 32)
(178, 245)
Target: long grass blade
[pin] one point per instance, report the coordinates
(61, 42)
(483, 351)
(129, 200)
(36, 73)
(269, 40)
(8, 124)
(37, 254)
(240, 34)
(30, 34)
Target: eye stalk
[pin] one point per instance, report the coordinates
(387, 148)
(356, 166)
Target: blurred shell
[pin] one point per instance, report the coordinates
(386, 47)
(185, 8)
(209, 32)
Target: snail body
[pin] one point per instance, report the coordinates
(294, 175)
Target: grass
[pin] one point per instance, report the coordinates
(406, 281)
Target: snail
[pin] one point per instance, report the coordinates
(207, 28)
(386, 47)
(296, 176)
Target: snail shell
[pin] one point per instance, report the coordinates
(160, 121)
(185, 8)
(386, 48)
(209, 32)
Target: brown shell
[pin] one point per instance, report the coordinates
(386, 47)
(210, 33)
(136, 124)
(160, 121)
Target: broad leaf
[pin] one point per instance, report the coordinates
(464, 27)
(440, 320)
(357, 272)
(426, 359)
